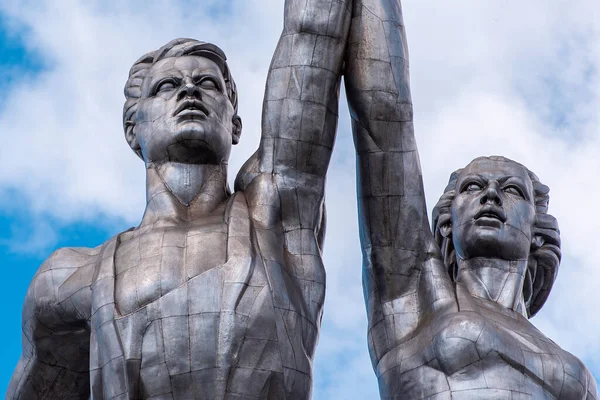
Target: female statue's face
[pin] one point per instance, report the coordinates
(493, 211)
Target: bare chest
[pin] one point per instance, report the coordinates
(482, 351)
(153, 263)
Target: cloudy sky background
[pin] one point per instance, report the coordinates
(519, 79)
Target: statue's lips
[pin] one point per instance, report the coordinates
(490, 215)
(191, 108)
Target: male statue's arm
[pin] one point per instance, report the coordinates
(56, 337)
(592, 389)
(284, 180)
(403, 276)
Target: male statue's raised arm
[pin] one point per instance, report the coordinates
(299, 121)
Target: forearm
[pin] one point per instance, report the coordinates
(300, 110)
(301, 98)
(403, 273)
(393, 217)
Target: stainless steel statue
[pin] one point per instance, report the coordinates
(218, 295)
(448, 310)
(215, 295)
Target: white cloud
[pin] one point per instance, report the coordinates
(64, 134)
(518, 79)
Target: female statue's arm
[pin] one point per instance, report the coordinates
(403, 275)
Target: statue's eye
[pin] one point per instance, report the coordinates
(514, 190)
(166, 85)
(472, 187)
(209, 84)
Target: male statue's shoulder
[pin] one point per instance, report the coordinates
(60, 291)
(69, 258)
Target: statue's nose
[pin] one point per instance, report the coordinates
(491, 194)
(189, 90)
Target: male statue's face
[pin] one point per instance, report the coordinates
(184, 113)
(493, 211)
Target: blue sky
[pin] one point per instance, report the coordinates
(520, 80)
(19, 266)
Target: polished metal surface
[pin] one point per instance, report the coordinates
(215, 295)
(448, 307)
(219, 294)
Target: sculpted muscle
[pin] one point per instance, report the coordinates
(215, 295)
(56, 312)
(448, 310)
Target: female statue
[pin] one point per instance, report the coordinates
(448, 310)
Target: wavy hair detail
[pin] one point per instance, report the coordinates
(175, 48)
(544, 257)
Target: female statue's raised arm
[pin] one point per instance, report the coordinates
(448, 314)
(404, 278)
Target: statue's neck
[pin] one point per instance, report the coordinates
(181, 192)
(500, 281)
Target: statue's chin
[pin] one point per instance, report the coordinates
(192, 151)
(490, 247)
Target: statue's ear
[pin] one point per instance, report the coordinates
(446, 230)
(130, 136)
(237, 129)
(537, 241)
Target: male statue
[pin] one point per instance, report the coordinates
(214, 295)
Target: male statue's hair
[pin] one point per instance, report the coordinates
(545, 254)
(175, 48)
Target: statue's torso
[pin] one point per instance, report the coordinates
(483, 354)
(199, 317)
(156, 261)
(507, 355)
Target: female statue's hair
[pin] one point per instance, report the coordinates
(175, 48)
(545, 254)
